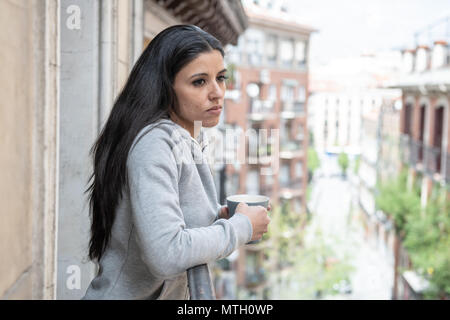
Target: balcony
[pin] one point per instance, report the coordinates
(291, 149)
(433, 160)
(291, 188)
(292, 109)
(261, 110)
(424, 158)
(416, 154)
(262, 156)
(411, 151)
(405, 148)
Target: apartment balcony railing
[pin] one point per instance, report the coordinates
(291, 149)
(424, 158)
(291, 188)
(262, 156)
(261, 110)
(447, 168)
(416, 154)
(296, 183)
(292, 109)
(411, 150)
(433, 160)
(405, 148)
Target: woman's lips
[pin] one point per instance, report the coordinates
(215, 110)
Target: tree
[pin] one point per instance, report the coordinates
(425, 232)
(343, 163)
(313, 162)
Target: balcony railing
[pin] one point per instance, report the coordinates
(433, 160)
(291, 188)
(291, 149)
(261, 110)
(296, 183)
(262, 156)
(405, 148)
(292, 109)
(416, 154)
(411, 150)
(423, 157)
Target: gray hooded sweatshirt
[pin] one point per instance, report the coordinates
(166, 221)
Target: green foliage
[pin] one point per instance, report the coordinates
(428, 243)
(231, 81)
(425, 232)
(343, 162)
(313, 160)
(396, 200)
(284, 233)
(357, 163)
(311, 138)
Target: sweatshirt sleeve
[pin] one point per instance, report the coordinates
(219, 206)
(167, 247)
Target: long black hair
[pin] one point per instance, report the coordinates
(147, 97)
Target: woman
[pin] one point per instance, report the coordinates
(154, 210)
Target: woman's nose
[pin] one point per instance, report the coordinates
(217, 91)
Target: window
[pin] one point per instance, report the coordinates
(287, 93)
(301, 94)
(253, 182)
(284, 175)
(300, 55)
(232, 184)
(271, 49)
(285, 129)
(286, 52)
(299, 169)
(254, 46)
(272, 92)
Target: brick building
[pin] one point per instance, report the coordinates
(424, 134)
(269, 70)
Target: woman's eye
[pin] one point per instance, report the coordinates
(198, 82)
(222, 78)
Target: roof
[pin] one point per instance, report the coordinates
(275, 19)
(430, 80)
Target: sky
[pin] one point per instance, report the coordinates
(351, 27)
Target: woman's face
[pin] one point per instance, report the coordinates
(200, 89)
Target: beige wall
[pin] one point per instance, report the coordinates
(123, 42)
(28, 142)
(15, 155)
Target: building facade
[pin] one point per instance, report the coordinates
(267, 101)
(424, 134)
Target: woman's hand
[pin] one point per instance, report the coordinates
(224, 213)
(258, 218)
